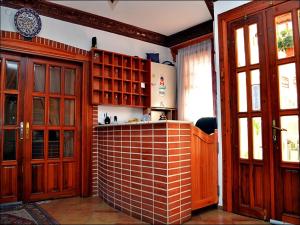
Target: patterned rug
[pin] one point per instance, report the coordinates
(27, 214)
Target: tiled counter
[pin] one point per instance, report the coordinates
(144, 169)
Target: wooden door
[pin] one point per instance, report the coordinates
(52, 130)
(11, 117)
(283, 24)
(39, 129)
(250, 116)
(264, 71)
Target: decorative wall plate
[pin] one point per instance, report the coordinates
(28, 22)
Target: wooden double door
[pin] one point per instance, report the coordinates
(39, 128)
(265, 80)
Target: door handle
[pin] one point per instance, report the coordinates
(27, 128)
(279, 128)
(21, 128)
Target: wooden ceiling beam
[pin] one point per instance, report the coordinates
(210, 6)
(71, 15)
(190, 33)
(75, 16)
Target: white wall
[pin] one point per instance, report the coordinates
(123, 113)
(81, 36)
(220, 7)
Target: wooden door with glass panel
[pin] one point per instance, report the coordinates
(52, 119)
(250, 117)
(11, 135)
(284, 37)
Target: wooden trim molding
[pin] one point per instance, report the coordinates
(175, 48)
(76, 16)
(13, 41)
(223, 20)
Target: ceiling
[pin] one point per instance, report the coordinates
(164, 17)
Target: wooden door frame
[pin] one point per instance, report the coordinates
(225, 87)
(12, 42)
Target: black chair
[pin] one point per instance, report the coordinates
(207, 124)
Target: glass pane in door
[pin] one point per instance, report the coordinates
(39, 78)
(253, 44)
(284, 36)
(10, 109)
(38, 111)
(240, 47)
(243, 138)
(54, 111)
(287, 86)
(69, 81)
(9, 145)
(255, 88)
(242, 92)
(257, 138)
(290, 139)
(53, 143)
(68, 143)
(69, 112)
(55, 79)
(11, 78)
(37, 144)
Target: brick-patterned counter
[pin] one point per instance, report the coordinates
(144, 169)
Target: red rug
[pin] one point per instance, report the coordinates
(26, 214)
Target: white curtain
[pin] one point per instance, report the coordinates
(194, 82)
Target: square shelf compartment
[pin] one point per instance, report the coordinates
(117, 99)
(144, 64)
(126, 74)
(144, 77)
(98, 57)
(135, 63)
(126, 99)
(108, 72)
(145, 91)
(107, 86)
(97, 97)
(144, 101)
(127, 87)
(126, 61)
(97, 84)
(135, 75)
(107, 98)
(107, 58)
(117, 86)
(97, 70)
(117, 60)
(135, 88)
(135, 100)
(117, 73)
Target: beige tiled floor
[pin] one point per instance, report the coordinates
(94, 211)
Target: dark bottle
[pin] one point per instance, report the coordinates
(107, 119)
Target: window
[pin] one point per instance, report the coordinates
(194, 78)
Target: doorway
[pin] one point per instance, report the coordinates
(39, 128)
(264, 73)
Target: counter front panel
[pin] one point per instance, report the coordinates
(144, 170)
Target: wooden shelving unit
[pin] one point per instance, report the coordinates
(119, 79)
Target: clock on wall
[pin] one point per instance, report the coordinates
(28, 22)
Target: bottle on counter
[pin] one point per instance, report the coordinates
(107, 119)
